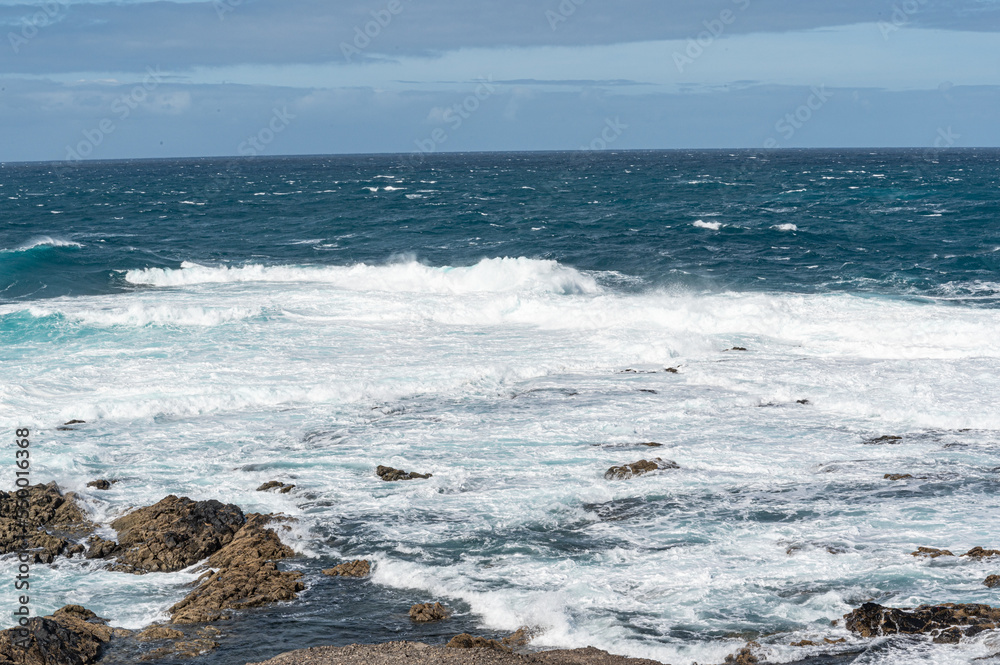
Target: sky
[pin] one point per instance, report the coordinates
(82, 79)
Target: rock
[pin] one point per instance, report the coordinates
(519, 638)
(652, 444)
(48, 516)
(931, 553)
(286, 489)
(897, 476)
(174, 534)
(980, 553)
(429, 612)
(72, 635)
(101, 484)
(802, 643)
(883, 440)
(946, 623)
(744, 656)
(246, 576)
(466, 641)
(638, 468)
(993, 581)
(359, 568)
(803, 401)
(389, 474)
(98, 548)
(737, 348)
(672, 370)
(75, 422)
(194, 648)
(158, 633)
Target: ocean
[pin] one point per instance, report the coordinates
(504, 322)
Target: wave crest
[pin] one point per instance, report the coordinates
(489, 275)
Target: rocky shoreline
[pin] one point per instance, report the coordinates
(240, 559)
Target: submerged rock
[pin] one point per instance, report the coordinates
(737, 348)
(390, 474)
(174, 534)
(745, 656)
(429, 612)
(158, 633)
(246, 576)
(101, 484)
(993, 581)
(883, 440)
(946, 623)
(50, 518)
(980, 553)
(359, 568)
(897, 476)
(931, 552)
(639, 468)
(72, 635)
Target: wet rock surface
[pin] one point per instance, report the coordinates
(745, 656)
(274, 484)
(358, 568)
(993, 581)
(246, 575)
(101, 484)
(897, 476)
(389, 474)
(947, 623)
(52, 521)
(888, 439)
(980, 553)
(158, 633)
(931, 552)
(429, 612)
(72, 635)
(174, 534)
(639, 468)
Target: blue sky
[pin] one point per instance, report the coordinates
(100, 80)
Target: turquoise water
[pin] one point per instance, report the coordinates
(222, 324)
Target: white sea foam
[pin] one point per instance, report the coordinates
(489, 275)
(713, 226)
(45, 241)
(142, 315)
(785, 227)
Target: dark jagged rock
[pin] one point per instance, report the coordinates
(980, 553)
(638, 468)
(993, 581)
(672, 370)
(246, 576)
(174, 534)
(466, 641)
(359, 568)
(274, 484)
(946, 623)
(897, 476)
(737, 348)
(389, 474)
(98, 548)
(883, 440)
(803, 401)
(49, 519)
(75, 422)
(744, 656)
(101, 484)
(429, 612)
(931, 552)
(72, 635)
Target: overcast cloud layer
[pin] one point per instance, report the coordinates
(159, 79)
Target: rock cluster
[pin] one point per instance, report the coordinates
(389, 474)
(993, 581)
(429, 612)
(638, 468)
(359, 568)
(946, 623)
(52, 520)
(72, 635)
(980, 553)
(274, 484)
(744, 656)
(174, 534)
(246, 575)
(975, 553)
(931, 552)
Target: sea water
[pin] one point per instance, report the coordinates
(504, 322)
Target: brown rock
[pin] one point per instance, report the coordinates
(101, 484)
(359, 568)
(158, 633)
(194, 648)
(744, 656)
(429, 612)
(638, 468)
(803, 643)
(246, 576)
(839, 640)
(897, 476)
(270, 485)
(98, 548)
(174, 533)
(946, 623)
(993, 581)
(389, 474)
(519, 638)
(980, 553)
(466, 641)
(49, 518)
(931, 552)
(70, 636)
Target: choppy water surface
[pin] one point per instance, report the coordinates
(474, 318)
